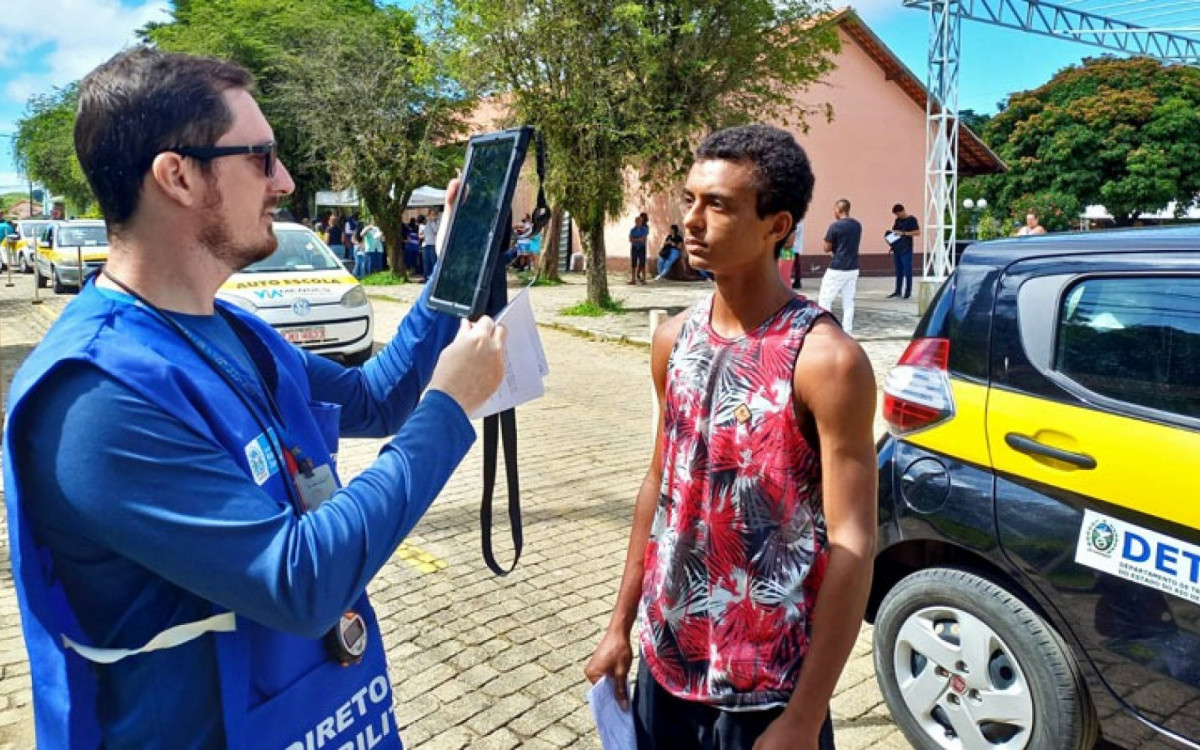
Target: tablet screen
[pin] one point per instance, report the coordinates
(475, 220)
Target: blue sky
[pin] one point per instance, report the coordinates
(66, 38)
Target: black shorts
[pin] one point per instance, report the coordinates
(664, 722)
(637, 255)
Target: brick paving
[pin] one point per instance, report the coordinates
(486, 662)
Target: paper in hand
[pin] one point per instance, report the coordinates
(614, 724)
(524, 359)
(891, 237)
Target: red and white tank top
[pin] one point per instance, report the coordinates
(737, 550)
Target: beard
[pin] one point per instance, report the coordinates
(217, 238)
(219, 241)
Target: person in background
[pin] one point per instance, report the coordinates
(841, 278)
(350, 237)
(900, 243)
(335, 235)
(1032, 225)
(412, 246)
(750, 558)
(7, 243)
(196, 578)
(797, 253)
(637, 249)
(429, 244)
(670, 252)
(373, 245)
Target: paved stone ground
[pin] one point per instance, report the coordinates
(486, 662)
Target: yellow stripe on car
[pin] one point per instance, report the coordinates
(1140, 465)
(963, 435)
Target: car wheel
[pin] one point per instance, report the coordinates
(38, 278)
(23, 264)
(59, 287)
(962, 663)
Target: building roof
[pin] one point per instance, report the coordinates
(974, 157)
(20, 210)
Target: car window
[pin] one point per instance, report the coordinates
(89, 236)
(1136, 340)
(298, 250)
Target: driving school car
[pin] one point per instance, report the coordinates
(21, 251)
(1037, 581)
(68, 252)
(306, 294)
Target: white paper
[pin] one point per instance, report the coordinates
(524, 359)
(891, 237)
(614, 724)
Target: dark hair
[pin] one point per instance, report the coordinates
(898, 208)
(783, 177)
(139, 104)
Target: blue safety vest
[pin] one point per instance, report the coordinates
(278, 691)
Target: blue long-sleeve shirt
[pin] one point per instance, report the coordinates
(149, 523)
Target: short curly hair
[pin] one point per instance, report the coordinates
(783, 176)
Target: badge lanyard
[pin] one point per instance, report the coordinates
(347, 640)
(292, 459)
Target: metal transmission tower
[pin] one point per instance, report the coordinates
(941, 139)
(1168, 30)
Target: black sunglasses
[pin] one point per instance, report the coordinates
(207, 153)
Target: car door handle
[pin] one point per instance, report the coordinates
(1028, 445)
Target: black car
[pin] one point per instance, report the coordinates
(1037, 583)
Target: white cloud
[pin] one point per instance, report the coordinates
(72, 37)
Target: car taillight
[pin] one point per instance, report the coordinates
(916, 393)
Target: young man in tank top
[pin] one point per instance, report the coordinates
(761, 490)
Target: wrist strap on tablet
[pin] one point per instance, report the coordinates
(496, 427)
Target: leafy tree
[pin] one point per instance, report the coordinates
(45, 145)
(1120, 132)
(378, 113)
(1056, 211)
(614, 84)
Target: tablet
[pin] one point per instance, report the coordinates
(477, 223)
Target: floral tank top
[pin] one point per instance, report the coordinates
(737, 549)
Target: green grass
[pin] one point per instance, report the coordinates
(586, 309)
(382, 278)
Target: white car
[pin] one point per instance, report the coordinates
(307, 295)
(63, 246)
(21, 252)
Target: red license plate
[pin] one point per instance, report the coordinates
(305, 335)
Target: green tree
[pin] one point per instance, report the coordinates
(45, 146)
(1119, 132)
(613, 84)
(1056, 211)
(378, 113)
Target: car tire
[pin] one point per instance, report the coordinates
(23, 264)
(962, 662)
(59, 287)
(38, 278)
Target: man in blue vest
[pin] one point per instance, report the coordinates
(190, 568)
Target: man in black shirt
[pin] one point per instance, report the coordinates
(841, 278)
(900, 238)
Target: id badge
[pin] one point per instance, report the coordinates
(317, 488)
